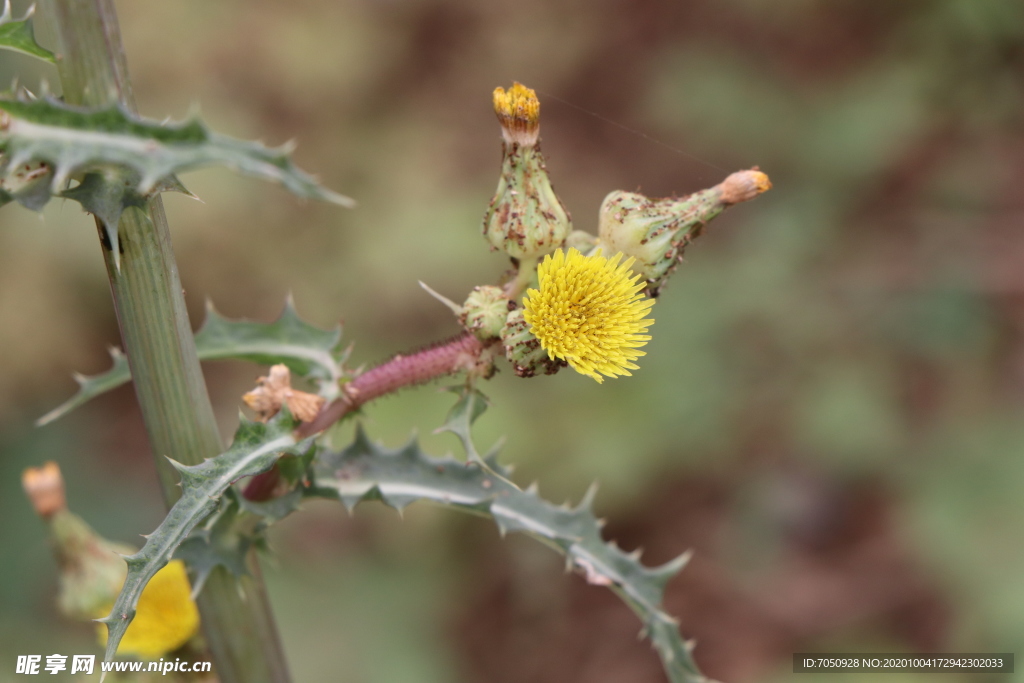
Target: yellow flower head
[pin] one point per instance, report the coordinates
(165, 617)
(589, 312)
(518, 110)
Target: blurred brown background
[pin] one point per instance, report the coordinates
(829, 412)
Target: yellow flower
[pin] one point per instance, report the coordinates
(518, 110)
(165, 617)
(589, 312)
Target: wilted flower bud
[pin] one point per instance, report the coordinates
(524, 351)
(743, 186)
(656, 231)
(92, 572)
(525, 219)
(485, 311)
(275, 390)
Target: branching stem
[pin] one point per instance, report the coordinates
(401, 371)
(444, 358)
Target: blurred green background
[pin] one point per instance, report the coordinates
(830, 409)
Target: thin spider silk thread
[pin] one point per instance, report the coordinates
(633, 131)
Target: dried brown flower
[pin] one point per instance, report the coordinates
(275, 390)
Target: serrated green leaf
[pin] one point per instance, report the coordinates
(222, 541)
(367, 471)
(460, 418)
(73, 140)
(17, 35)
(91, 387)
(306, 350)
(274, 510)
(106, 195)
(255, 449)
(226, 536)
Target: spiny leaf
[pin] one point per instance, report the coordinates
(366, 471)
(460, 418)
(73, 140)
(306, 350)
(459, 421)
(256, 447)
(107, 193)
(90, 387)
(105, 197)
(275, 509)
(223, 540)
(17, 35)
(227, 535)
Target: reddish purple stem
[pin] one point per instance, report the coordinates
(417, 368)
(401, 371)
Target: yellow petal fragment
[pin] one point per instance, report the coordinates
(165, 617)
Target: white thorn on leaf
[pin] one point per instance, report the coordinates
(588, 498)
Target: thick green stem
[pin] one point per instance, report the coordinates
(158, 341)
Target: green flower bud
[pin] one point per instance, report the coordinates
(525, 219)
(92, 572)
(656, 231)
(485, 311)
(523, 349)
(91, 569)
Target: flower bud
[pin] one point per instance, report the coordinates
(525, 219)
(655, 232)
(44, 487)
(485, 311)
(523, 349)
(91, 569)
(92, 572)
(743, 186)
(581, 240)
